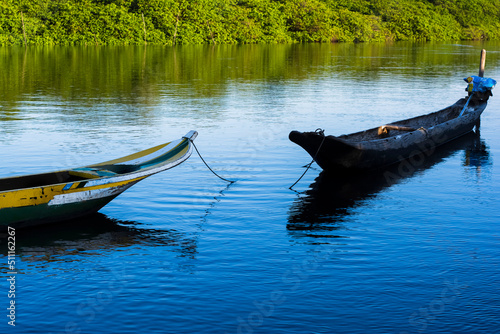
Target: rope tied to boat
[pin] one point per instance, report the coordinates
(424, 130)
(320, 132)
(199, 154)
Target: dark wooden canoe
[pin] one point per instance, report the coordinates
(328, 201)
(386, 145)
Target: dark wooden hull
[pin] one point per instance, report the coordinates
(366, 150)
(329, 199)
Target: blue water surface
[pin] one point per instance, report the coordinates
(185, 252)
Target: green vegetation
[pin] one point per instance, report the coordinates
(169, 22)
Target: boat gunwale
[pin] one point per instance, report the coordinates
(106, 180)
(365, 150)
(348, 140)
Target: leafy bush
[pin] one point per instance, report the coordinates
(169, 22)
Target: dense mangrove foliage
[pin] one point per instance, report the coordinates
(171, 22)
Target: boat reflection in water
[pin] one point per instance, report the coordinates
(477, 156)
(331, 197)
(94, 235)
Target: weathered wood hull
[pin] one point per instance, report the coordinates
(63, 195)
(367, 151)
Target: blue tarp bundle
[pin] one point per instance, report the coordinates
(480, 84)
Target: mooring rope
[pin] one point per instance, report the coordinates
(322, 133)
(220, 177)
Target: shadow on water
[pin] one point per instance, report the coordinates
(477, 156)
(94, 233)
(330, 199)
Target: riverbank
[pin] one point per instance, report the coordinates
(171, 22)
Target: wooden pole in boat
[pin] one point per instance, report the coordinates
(482, 63)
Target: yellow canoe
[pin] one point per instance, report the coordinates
(67, 194)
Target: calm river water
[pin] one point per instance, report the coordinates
(184, 252)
